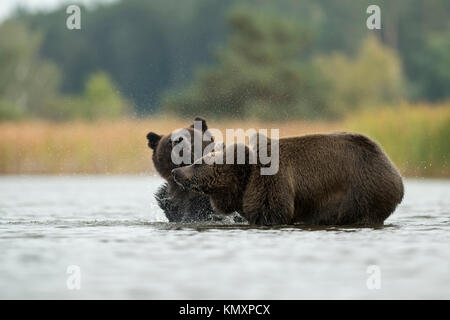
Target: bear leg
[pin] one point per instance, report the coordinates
(268, 201)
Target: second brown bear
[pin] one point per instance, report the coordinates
(323, 179)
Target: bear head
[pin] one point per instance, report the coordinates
(212, 176)
(162, 146)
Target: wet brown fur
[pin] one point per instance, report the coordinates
(323, 179)
(179, 205)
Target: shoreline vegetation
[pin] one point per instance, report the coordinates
(416, 138)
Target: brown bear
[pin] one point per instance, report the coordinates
(179, 204)
(323, 179)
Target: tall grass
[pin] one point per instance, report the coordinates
(103, 147)
(415, 137)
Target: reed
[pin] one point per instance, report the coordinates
(415, 137)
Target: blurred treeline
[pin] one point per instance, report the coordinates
(259, 59)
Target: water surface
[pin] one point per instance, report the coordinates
(113, 230)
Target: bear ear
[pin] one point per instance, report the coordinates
(153, 140)
(204, 125)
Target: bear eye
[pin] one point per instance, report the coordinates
(176, 141)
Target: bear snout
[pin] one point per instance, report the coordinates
(182, 176)
(178, 176)
(175, 174)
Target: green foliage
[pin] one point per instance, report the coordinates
(145, 46)
(10, 111)
(27, 83)
(100, 100)
(261, 73)
(435, 65)
(374, 77)
(415, 137)
(149, 47)
(409, 27)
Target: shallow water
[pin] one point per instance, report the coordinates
(113, 230)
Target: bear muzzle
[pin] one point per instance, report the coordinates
(179, 177)
(183, 177)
